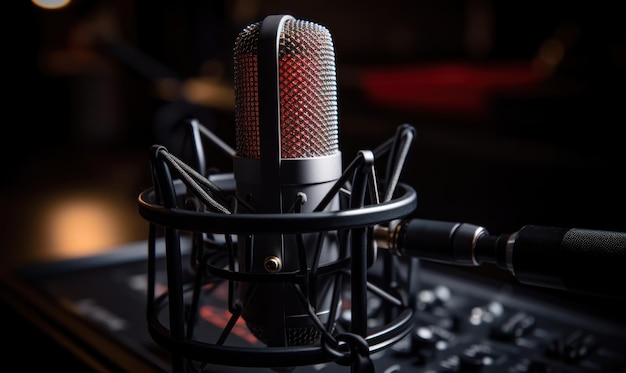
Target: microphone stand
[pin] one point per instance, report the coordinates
(185, 204)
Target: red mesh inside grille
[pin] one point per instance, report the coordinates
(307, 91)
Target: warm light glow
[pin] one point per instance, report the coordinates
(51, 4)
(208, 93)
(551, 52)
(82, 225)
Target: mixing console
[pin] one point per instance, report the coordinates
(467, 321)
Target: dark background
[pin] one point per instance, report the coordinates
(90, 87)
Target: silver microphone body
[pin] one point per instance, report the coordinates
(287, 159)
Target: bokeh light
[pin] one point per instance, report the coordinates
(51, 4)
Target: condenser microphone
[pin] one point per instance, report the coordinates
(281, 242)
(287, 159)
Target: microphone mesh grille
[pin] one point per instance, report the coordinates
(307, 89)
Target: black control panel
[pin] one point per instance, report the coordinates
(467, 326)
(467, 321)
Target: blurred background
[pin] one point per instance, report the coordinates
(518, 108)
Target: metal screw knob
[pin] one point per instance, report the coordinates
(272, 264)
